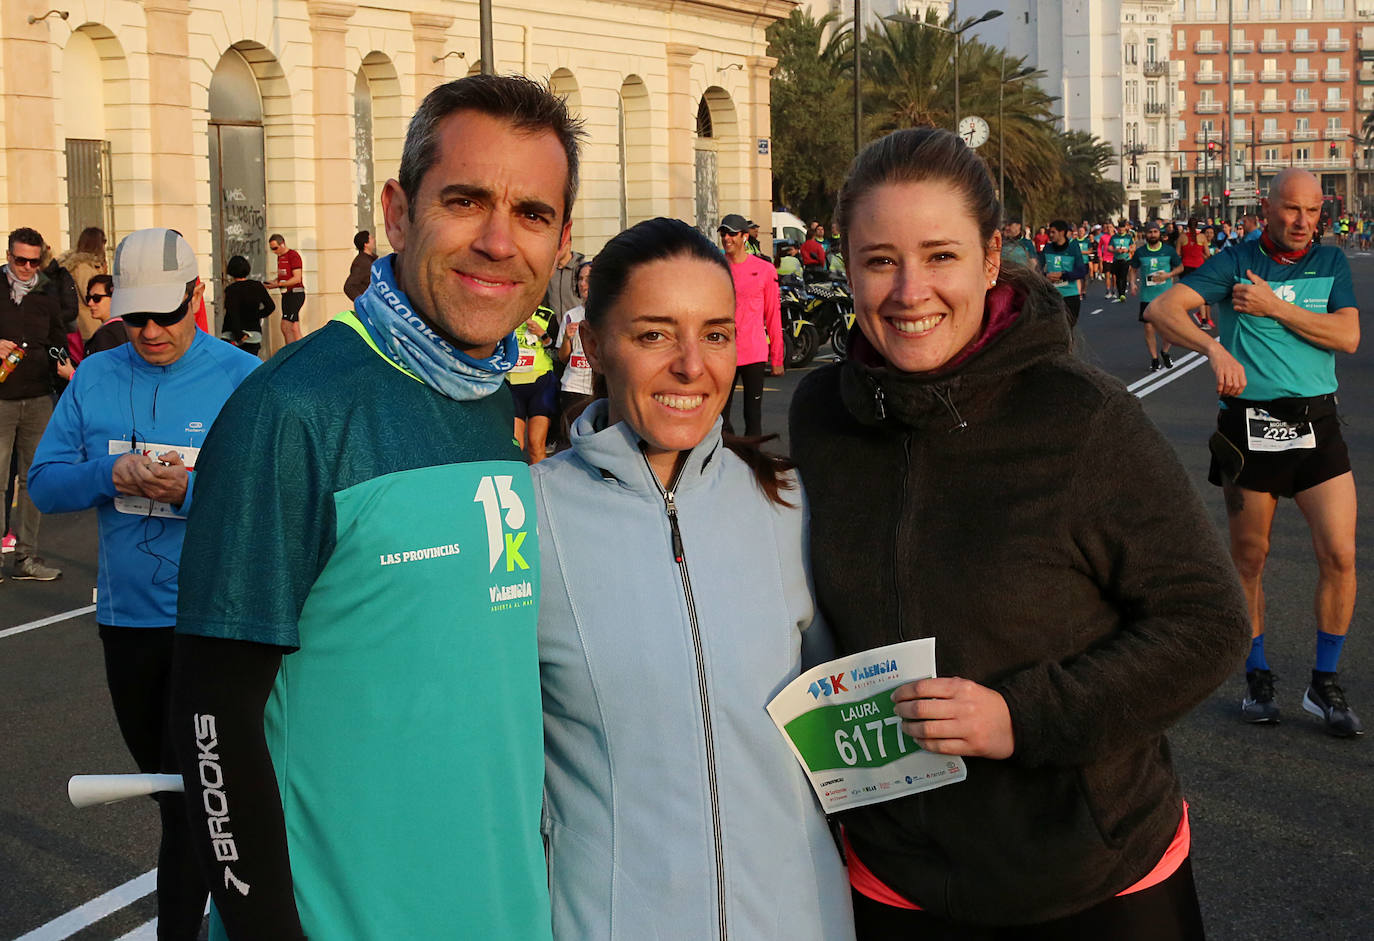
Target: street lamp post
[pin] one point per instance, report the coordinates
(487, 45)
(858, 91)
(1016, 76)
(956, 32)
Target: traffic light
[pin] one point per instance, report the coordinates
(1226, 193)
(1333, 151)
(1211, 146)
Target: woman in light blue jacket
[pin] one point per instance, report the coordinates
(675, 604)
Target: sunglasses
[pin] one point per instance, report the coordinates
(20, 261)
(92, 298)
(139, 321)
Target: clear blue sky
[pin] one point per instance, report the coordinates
(993, 32)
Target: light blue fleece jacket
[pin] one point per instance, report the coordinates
(116, 403)
(630, 771)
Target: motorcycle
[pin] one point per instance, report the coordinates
(831, 309)
(801, 337)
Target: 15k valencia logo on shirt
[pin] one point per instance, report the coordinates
(505, 518)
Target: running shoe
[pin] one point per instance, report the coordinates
(1326, 700)
(1166, 359)
(1111, 296)
(1154, 365)
(34, 570)
(1258, 706)
(7, 544)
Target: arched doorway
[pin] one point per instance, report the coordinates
(718, 166)
(379, 134)
(636, 152)
(96, 126)
(238, 185)
(563, 84)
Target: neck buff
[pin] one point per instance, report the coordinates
(412, 344)
(19, 288)
(1274, 251)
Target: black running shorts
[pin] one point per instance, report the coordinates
(539, 397)
(1281, 473)
(291, 304)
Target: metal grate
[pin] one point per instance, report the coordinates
(90, 188)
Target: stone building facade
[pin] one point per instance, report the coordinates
(235, 119)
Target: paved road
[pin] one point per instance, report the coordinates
(1283, 817)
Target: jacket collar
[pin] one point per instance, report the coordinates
(1021, 328)
(185, 361)
(614, 452)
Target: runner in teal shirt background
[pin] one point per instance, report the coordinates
(1153, 268)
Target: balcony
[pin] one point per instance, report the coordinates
(1271, 14)
(1336, 75)
(1273, 136)
(1244, 75)
(1207, 47)
(1305, 133)
(1277, 75)
(1240, 137)
(1366, 73)
(1366, 42)
(1269, 107)
(1243, 46)
(1304, 45)
(1277, 45)
(1209, 78)
(1242, 107)
(1336, 45)
(1204, 16)
(1335, 133)
(1304, 104)
(1323, 163)
(1203, 137)
(1336, 104)
(1157, 68)
(1156, 108)
(1365, 104)
(1306, 75)
(1207, 107)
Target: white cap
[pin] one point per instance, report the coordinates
(151, 270)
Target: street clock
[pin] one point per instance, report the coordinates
(974, 131)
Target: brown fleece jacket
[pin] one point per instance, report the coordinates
(1021, 509)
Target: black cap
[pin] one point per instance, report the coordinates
(733, 223)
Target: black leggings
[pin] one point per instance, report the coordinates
(1165, 912)
(1074, 303)
(751, 376)
(138, 666)
(1121, 272)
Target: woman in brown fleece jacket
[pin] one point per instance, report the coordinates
(971, 480)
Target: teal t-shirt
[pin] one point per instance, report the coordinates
(1278, 363)
(1152, 261)
(1121, 246)
(1064, 259)
(387, 536)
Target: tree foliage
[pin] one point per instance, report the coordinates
(812, 114)
(908, 81)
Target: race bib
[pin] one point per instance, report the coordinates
(578, 361)
(526, 361)
(142, 506)
(1264, 432)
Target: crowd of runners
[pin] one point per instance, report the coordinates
(460, 615)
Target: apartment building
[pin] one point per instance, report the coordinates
(1289, 83)
(1108, 64)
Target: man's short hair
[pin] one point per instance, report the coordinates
(1060, 225)
(276, 237)
(105, 279)
(360, 240)
(527, 105)
(26, 236)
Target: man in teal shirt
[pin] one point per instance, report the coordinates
(357, 705)
(1122, 244)
(1286, 307)
(1063, 264)
(1153, 266)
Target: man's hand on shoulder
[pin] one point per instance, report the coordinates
(1256, 298)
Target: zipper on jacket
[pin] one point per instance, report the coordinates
(680, 557)
(879, 400)
(947, 400)
(897, 579)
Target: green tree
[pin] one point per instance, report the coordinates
(1084, 191)
(812, 111)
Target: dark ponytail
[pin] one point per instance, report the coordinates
(661, 239)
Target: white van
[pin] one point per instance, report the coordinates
(787, 227)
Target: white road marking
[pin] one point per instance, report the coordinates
(44, 622)
(144, 932)
(1092, 312)
(83, 916)
(1171, 375)
(1148, 378)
